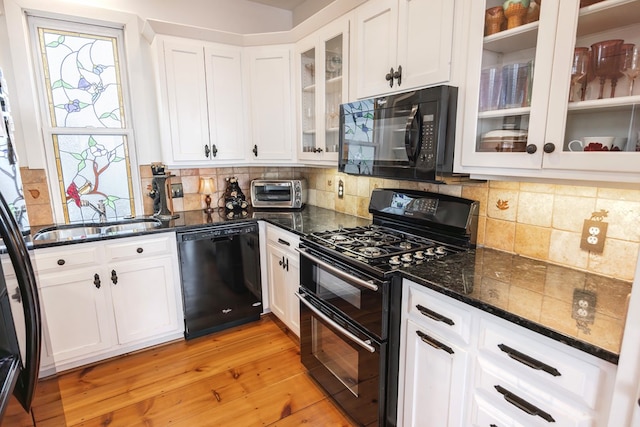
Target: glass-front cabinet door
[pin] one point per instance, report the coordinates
(323, 59)
(551, 89)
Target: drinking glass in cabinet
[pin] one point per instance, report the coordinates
(578, 68)
(606, 63)
(490, 88)
(515, 85)
(630, 64)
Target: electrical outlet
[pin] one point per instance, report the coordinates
(594, 234)
(340, 189)
(584, 306)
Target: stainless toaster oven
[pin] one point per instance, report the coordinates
(278, 193)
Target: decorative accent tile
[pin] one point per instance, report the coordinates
(502, 204)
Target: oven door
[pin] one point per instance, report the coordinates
(363, 299)
(348, 364)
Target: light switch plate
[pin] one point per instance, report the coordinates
(593, 236)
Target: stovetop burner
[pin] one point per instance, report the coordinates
(380, 248)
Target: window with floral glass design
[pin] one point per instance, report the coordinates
(82, 82)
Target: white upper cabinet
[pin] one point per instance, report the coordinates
(532, 111)
(401, 44)
(322, 64)
(201, 104)
(271, 101)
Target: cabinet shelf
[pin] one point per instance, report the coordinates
(608, 15)
(622, 103)
(310, 88)
(513, 40)
(505, 112)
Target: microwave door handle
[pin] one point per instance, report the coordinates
(364, 344)
(411, 144)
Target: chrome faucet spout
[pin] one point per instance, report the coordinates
(101, 209)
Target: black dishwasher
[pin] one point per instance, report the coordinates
(220, 272)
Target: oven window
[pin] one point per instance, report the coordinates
(335, 354)
(331, 287)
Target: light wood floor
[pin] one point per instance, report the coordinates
(246, 376)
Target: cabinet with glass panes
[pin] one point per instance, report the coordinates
(551, 93)
(322, 67)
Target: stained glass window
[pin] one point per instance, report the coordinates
(82, 82)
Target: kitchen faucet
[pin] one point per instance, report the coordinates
(100, 209)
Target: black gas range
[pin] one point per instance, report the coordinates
(378, 249)
(350, 294)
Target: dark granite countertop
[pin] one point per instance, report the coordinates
(539, 296)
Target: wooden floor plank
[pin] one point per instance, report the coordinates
(250, 375)
(167, 374)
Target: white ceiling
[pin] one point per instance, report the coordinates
(281, 4)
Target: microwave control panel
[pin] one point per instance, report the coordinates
(427, 155)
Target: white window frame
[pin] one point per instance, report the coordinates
(77, 24)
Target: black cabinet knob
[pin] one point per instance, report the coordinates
(532, 148)
(549, 147)
(61, 261)
(389, 77)
(139, 250)
(398, 75)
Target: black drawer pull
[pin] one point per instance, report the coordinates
(434, 343)
(61, 261)
(139, 250)
(283, 242)
(523, 405)
(529, 361)
(96, 281)
(435, 316)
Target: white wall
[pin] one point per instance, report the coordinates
(236, 16)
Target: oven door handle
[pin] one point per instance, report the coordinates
(365, 283)
(364, 344)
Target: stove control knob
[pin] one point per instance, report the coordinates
(419, 255)
(430, 252)
(440, 250)
(394, 260)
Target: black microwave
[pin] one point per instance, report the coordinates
(407, 135)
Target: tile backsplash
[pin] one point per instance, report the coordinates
(539, 221)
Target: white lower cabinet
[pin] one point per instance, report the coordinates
(435, 373)
(461, 366)
(17, 312)
(107, 298)
(283, 276)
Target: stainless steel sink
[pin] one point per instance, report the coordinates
(132, 226)
(68, 233)
(85, 231)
